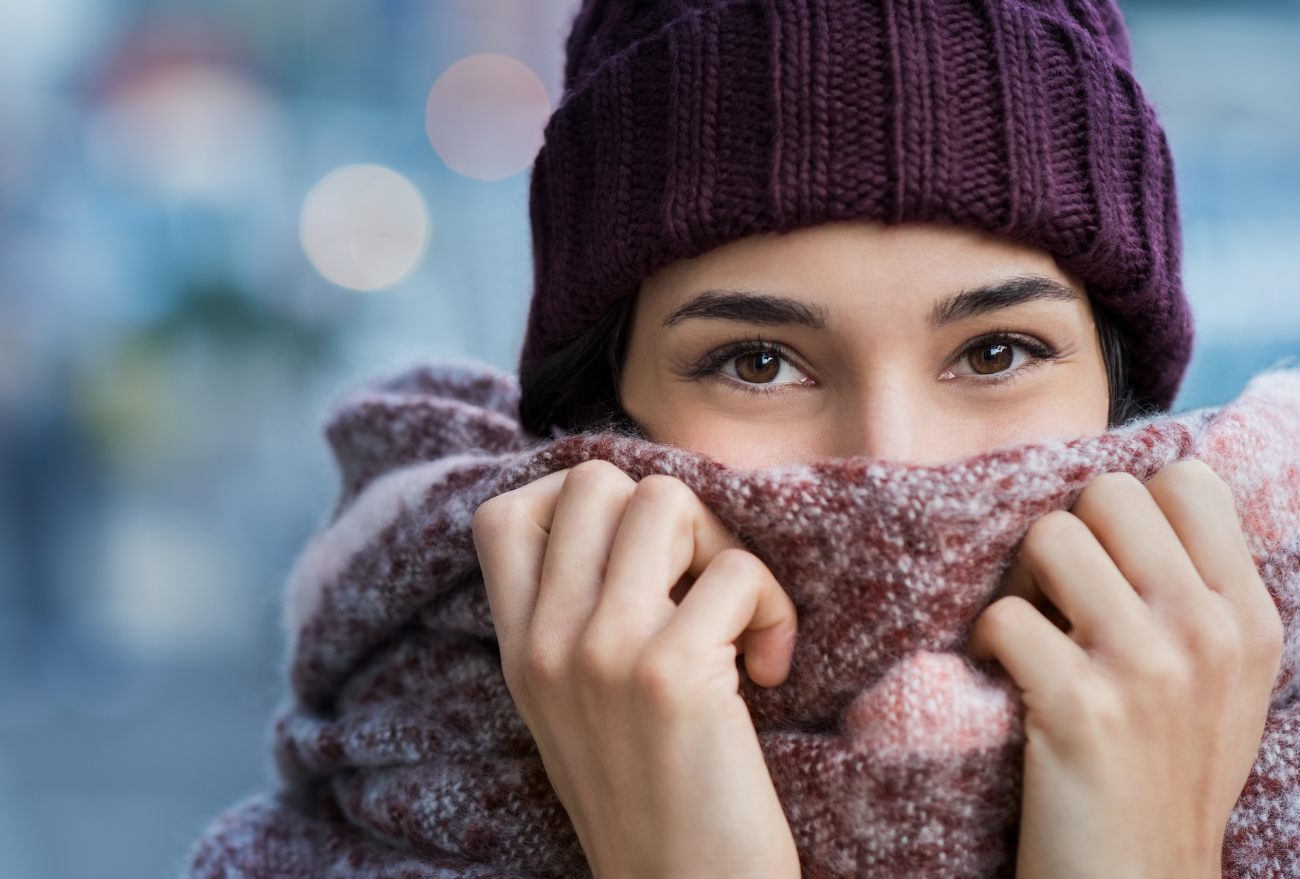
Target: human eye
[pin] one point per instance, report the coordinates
(998, 356)
(753, 364)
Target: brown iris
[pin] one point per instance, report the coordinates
(990, 359)
(759, 368)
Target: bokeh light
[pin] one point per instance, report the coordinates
(364, 227)
(486, 115)
(193, 132)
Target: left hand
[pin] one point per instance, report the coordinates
(1143, 720)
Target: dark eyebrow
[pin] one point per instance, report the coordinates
(753, 308)
(982, 300)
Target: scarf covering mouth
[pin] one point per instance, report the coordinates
(402, 755)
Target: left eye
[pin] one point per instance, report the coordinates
(990, 358)
(762, 368)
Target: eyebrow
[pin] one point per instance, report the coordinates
(754, 308)
(983, 300)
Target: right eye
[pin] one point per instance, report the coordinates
(763, 368)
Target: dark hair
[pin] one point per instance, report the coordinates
(576, 389)
(1125, 402)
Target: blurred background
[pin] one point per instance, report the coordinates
(216, 216)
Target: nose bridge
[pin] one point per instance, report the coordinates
(887, 421)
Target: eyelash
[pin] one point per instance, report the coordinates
(712, 363)
(1041, 352)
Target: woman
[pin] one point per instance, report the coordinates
(772, 232)
(744, 299)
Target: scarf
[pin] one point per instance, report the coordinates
(402, 755)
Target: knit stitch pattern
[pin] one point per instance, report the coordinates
(402, 754)
(687, 124)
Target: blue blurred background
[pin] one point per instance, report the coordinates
(216, 216)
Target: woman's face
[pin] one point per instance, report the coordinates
(918, 343)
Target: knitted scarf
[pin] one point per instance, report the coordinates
(402, 754)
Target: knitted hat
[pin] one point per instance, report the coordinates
(687, 124)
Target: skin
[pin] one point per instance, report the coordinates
(913, 343)
(870, 381)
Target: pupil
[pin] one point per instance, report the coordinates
(992, 358)
(760, 368)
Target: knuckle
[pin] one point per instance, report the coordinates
(1107, 490)
(1054, 528)
(663, 490)
(595, 469)
(658, 679)
(596, 476)
(1118, 482)
(1162, 670)
(1103, 712)
(1218, 644)
(1084, 704)
(1194, 472)
(739, 564)
(540, 666)
(1194, 481)
(595, 662)
(1000, 625)
(493, 517)
(1001, 616)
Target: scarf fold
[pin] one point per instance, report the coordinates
(402, 754)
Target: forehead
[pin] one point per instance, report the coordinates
(841, 268)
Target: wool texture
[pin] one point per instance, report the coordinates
(402, 755)
(687, 124)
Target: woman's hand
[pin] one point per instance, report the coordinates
(1144, 720)
(631, 697)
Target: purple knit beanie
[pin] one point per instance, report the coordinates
(687, 124)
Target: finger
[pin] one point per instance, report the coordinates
(1039, 657)
(735, 599)
(1129, 524)
(511, 532)
(1060, 560)
(1201, 511)
(666, 532)
(587, 517)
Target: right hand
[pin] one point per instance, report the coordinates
(633, 698)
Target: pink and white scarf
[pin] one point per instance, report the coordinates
(402, 755)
